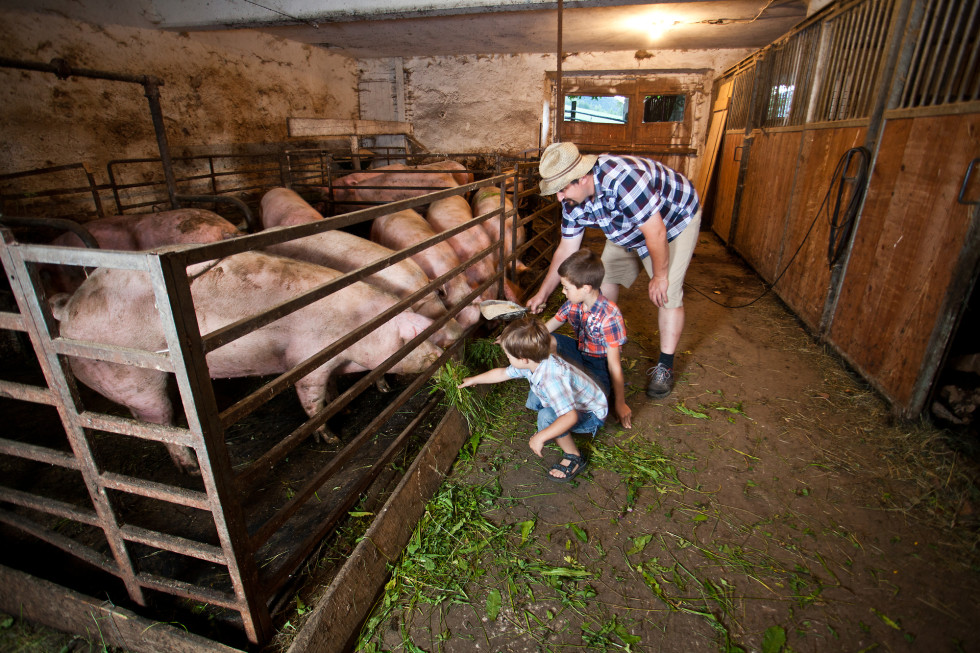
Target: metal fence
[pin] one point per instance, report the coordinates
(239, 548)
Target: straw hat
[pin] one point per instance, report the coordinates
(561, 164)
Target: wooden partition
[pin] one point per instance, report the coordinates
(804, 286)
(914, 251)
(765, 198)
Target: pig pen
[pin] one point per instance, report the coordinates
(93, 508)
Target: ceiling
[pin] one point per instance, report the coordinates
(418, 28)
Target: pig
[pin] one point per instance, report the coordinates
(457, 170)
(391, 182)
(488, 199)
(346, 252)
(407, 228)
(113, 307)
(453, 211)
(137, 232)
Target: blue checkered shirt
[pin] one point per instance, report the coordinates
(628, 191)
(563, 387)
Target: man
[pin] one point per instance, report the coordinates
(650, 215)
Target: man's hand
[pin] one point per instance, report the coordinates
(536, 304)
(658, 291)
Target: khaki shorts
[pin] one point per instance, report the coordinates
(623, 266)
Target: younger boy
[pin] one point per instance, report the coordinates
(598, 325)
(566, 399)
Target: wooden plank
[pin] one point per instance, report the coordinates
(804, 286)
(55, 606)
(910, 237)
(721, 221)
(719, 115)
(337, 617)
(326, 127)
(762, 214)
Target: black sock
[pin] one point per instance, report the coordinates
(667, 360)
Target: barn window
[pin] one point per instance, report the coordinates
(606, 109)
(664, 108)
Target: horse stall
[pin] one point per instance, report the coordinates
(105, 534)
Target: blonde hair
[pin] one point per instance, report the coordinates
(527, 338)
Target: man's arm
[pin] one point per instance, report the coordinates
(566, 248)
(655, 233)
(615, 364)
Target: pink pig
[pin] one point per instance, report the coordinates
(407, 228)
(116, 307)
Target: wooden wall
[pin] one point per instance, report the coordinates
(891, 303)
(907, 250)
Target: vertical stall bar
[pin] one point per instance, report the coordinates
(171, 288)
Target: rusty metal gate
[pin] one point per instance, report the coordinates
(248, 555)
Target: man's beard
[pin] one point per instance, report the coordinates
(569, 204)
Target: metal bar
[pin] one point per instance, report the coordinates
(66, 544)
(38, 454)
(250, 219)
(135, 428)
(189, 591)
(865, 57)
(112, 354)
(152, 92)
(934, 75)
(159, 491)
(89, 258)
(176, 308)
(26, 392)
(55, 223)
(50, 506)
(954, 93)
(173, 543)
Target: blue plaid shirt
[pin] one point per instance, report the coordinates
(563, 387)
(628, 191)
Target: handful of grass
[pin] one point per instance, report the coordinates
(465, 400)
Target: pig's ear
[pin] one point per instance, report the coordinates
(57, 305)
(411, 324)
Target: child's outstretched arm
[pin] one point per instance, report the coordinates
(496, 375)
(615, 364)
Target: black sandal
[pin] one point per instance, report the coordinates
(568, 470)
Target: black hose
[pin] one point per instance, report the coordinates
(840, 227)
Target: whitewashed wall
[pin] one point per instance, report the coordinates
(220, 89)
(495, 103)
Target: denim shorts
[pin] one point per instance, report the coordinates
(597, 367)
(587, 422)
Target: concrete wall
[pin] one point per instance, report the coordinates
(220, 89)
(495, 103)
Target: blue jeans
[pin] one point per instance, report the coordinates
(587, 422)
(595, 366)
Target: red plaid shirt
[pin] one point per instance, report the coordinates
(598, 329)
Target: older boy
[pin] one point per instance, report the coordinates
(566, 399)
(598, 324)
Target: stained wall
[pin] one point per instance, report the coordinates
(219, 90)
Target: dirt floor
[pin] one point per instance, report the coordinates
(769, 504)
